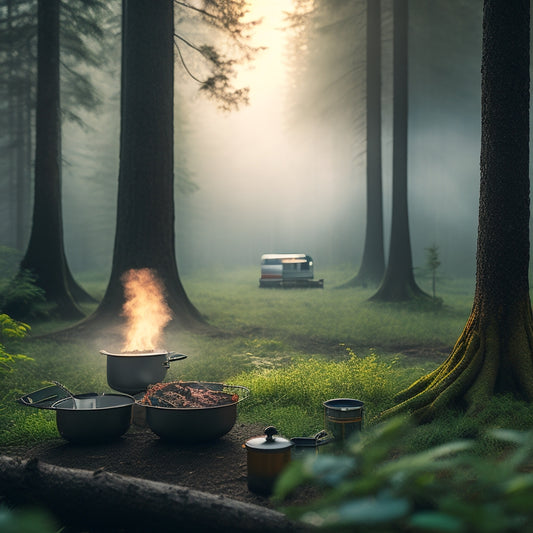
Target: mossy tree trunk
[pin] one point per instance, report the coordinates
(398, 283)
(495, 350)
(373, 263)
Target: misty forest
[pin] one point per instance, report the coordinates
(323, 206)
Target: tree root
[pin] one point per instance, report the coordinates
(492, 355)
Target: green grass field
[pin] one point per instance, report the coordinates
(293, 348)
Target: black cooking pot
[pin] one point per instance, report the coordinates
(195, 424)
(133, 372)
(266, 457)
(84, 418)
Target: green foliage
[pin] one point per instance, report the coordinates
(432, 258)
(431, 267)
(21, 297)
(501, 411)
(27, 520)
(226, 20)
(444, 488)
(11, 329)
(24, 425)
(291, 397)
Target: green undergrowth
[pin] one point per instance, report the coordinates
(291, 397)
(500, 412)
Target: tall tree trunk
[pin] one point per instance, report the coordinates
(144, 235)
(373, 262)
(399, 283)
(24, 181)
(11, 131)
(495, 351)
(45, 255)
(21, 199)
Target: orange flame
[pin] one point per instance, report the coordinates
(145, 309)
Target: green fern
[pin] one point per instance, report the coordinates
(11, 329)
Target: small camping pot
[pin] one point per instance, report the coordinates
(132, 372)
(304, 446)
(267, 456)
(343, 417)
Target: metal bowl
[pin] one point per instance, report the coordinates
(84, 418)
(195, 424)
(88, 419)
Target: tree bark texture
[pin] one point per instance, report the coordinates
(145, 211)
(495, 351)
(23, 165)
(11, 130)
(373, 263)
(102, 501)
(399, 283)
(45, 255)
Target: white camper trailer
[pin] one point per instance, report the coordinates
(288, 270)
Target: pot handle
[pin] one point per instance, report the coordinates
(173, 357)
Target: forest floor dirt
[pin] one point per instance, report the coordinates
(217, 467)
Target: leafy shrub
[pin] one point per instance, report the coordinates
(446, 488)
(20, 297)
(12, 329)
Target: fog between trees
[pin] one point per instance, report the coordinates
(291, 168)
(287, 173)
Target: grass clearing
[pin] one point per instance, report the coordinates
(292, 348)
(291, 397)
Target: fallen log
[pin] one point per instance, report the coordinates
(102, 501)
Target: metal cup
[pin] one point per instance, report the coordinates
(343, 417)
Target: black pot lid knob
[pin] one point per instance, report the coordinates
(270, 431)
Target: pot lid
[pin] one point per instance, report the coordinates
(45, 398)
(268, 443)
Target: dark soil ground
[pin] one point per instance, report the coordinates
(217, 467)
